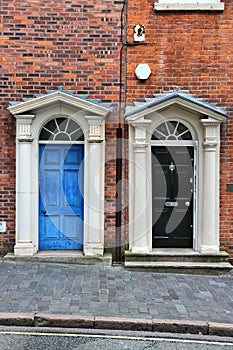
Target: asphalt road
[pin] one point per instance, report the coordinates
(15, 338)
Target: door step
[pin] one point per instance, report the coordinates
(63, 257)
(178, 261)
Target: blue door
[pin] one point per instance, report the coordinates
(61, 197)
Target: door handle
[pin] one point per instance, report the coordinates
(43, 211)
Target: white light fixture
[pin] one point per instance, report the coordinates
(143, 71)
(139, 33)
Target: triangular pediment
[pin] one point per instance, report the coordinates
(177, 98)
(67, 97)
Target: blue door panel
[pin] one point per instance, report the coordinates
(50, 225)
(73, 157)
(50, 185)
(51, 157)
(72, 224)
(61, 201)
(71, 189)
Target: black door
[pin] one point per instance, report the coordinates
(172, 196)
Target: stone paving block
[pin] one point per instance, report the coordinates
(181, 309)
(114, 291)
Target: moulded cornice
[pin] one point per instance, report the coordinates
(141, 123)
(210, 122)
(58, 96)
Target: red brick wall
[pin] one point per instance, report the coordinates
(76, 44)
(193, 50)
(46, 44)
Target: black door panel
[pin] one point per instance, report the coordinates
(172, 196)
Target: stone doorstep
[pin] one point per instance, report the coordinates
(139, 263)
(180, 267)
(64, 257)
(178, 261)
(116, 323)
(178, 264)
(165, 254)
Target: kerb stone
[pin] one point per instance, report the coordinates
(221, 329)
(180, 326)
(16, 319)
(121, 323)
(68, 321)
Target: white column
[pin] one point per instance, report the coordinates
(141, 226)
(210, 226)
(94, 227)
(24, 245)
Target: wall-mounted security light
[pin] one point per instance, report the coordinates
(139, 32)
(143, 71)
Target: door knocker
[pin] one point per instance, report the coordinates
(172, 167)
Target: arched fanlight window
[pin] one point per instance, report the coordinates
(61, 129)
(172, 130)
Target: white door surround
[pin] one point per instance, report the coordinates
(31, 115)
(204, 121)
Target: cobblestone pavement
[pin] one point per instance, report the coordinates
(113, 291)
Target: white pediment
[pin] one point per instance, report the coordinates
(62, 96)
(178, 99)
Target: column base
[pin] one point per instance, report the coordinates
(24, 249)
(94, 249)
(140, 250)
(205, 249)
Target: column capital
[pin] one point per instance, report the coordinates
(211, 134)
(96, 130)
(24, 123)
(140, 123)
(210, 122)
(140, 136)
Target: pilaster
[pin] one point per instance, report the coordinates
(140, 237)
(24, 245)
(210, 227)
(94, 231)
